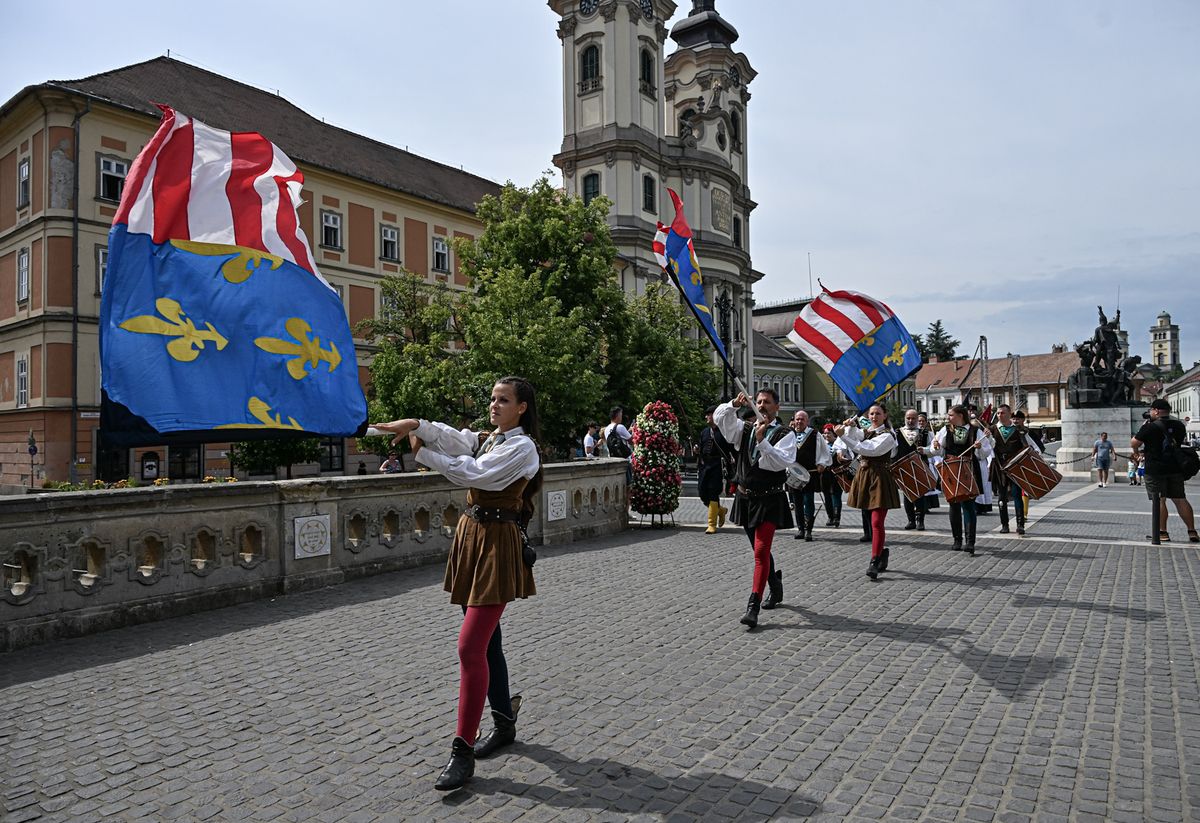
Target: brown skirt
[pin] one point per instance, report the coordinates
(485, 566)
(873, 486)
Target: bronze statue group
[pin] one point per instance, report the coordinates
(774, 467)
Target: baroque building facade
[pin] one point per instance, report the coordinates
(637, 122)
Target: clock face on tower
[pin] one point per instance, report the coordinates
(647, 9)
(588, 6)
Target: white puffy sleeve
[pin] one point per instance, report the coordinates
(824, 456)
(515, 458)
(730, 425)
(875, 447)
(776, 457)
(446, 440)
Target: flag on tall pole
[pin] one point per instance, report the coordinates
(676, 254)
(859, 341)
(215, 324)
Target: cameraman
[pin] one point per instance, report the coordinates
(1163, 478)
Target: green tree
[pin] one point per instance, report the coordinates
(671, 366)
(936, 342)
(419, 370)
(513, 328)
(565, 247)
(262, 456)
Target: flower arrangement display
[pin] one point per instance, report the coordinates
(656, 461)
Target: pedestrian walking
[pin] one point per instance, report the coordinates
(487, 567)
(1102, 451)
(765, 448)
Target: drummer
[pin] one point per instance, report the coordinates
(932, 497)
(831, 491)
(812, 452)
(874, 490)
(1010, 438)
(913, 439)
(958, 437)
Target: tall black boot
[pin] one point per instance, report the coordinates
(921, 516)
(956, 528)
(1004, 517)
(971, 537)
(1020, 520)
(774, 590)
(460, 768)
(504, 733)
(883, 559)
(809, 522)
(750, 618)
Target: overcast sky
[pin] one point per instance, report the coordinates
(1003, 165)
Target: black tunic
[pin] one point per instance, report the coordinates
(710, 479)
(760, 497)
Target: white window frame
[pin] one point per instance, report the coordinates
(23, 276)
(116, 168)
(441, 249)
(101, 267)
(331, 220)
(389, 234)
(24, 191)
(22, 383)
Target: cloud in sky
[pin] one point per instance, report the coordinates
(1002, 165)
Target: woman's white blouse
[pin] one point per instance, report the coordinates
(451, 452)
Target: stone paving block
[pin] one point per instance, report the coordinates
(1026, 683)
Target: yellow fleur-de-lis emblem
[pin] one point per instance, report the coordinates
(897, 355)
(262, 412)
(306, 352)
(866, 384)
(242, 261)
(188, 339)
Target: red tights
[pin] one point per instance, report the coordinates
(764, 533)
(878, 516)
(479, 623)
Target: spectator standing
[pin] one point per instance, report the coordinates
(591, 440)
(1162, 478)
(392, 464)
(1102, 451)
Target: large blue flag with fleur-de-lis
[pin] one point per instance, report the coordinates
(214, 322)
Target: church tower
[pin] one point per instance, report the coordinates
(1164, 343)
(636, 123)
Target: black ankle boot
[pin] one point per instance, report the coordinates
(910, 525)
(750, 618)
(460, 768)
(957, 544)
(920, 522)
(1020, 525)
(504, 734)
(774, 590)
(883, 560)
(873, 568)
(809, 522)
(971, 539)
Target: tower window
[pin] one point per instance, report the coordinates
(646, 74)
(589, 69)
(735, 130)
(23, 275)
(649, 193)
(737, 232)
(591, 187)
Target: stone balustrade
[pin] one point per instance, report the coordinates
(78, 562)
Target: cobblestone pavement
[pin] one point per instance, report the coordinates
(1050, 678)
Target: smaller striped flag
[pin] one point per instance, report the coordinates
(859, 341)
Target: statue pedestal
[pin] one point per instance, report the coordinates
(1081, 429)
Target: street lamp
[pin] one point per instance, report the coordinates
(32, 451)
(723, 305)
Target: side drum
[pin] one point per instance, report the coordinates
(958, 478)
(912, 475)
(1035, 476)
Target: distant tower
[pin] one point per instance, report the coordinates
(1164, 343)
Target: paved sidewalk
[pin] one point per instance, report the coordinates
(1049, 678)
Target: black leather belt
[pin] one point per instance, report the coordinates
(760, 492)
(482, 514)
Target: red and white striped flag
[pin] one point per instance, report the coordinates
(194, 182)
(833, 322)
